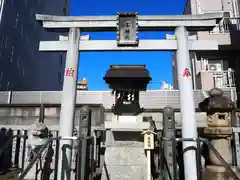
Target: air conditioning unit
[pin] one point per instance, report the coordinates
(214, 67)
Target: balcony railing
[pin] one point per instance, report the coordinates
(223, 79)
(226, 25)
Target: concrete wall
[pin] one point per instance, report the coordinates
(206, 81)
(222, 38)
(205, 6)
(154, 99)
(22, 117)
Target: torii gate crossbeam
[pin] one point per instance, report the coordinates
(202, 22)
(180, 24)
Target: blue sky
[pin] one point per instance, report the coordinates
(93, 65)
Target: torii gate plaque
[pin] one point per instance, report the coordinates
(180, 24)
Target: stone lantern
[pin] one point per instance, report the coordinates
(219, 132)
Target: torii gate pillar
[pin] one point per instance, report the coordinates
(66, 123)
(189, 127)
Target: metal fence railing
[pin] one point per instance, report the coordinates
(176, 173)
(227, 24)
(11, 155)
(45, 173)
(224, 79)
(44, 164)
(220, 79)
(17, 143)
(172, 135)
(14, 155)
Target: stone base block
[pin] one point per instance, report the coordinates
(217, 173)
(125, 156)
(223, 147)
(123, 173)
(124, 163)
(218, 131)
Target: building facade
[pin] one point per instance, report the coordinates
(22, 66)
(82, 85)
(215, 68)
(166, 86)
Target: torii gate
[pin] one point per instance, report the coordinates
(181, 24)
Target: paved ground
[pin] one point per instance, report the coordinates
(12, 175)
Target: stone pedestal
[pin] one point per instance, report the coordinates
(125, 158)
(219, 133)
(220, 139)
(218, 173)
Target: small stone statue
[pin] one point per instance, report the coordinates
(37, 136)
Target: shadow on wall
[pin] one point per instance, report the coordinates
(235, 34)
(235, 40)
(128, 136)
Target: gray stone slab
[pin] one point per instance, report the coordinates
(123, 173)
(125, 156)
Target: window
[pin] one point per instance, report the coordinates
(61, 60)
(11, 59)
(220, 65)
(221, 27)
(31, 12)
(6, 42)
(23, 72)
(27, 42)
(8, 85)
(16, 22)
(60, 77)
(22, 30)
(1, 76)
(18, 59)
(215, 65)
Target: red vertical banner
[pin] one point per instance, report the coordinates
(69, 72)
